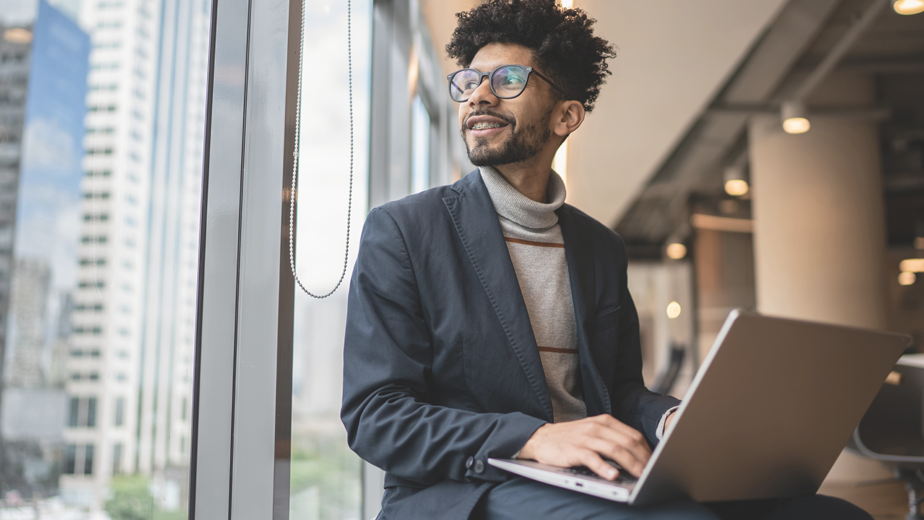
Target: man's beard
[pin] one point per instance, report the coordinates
(519, 146)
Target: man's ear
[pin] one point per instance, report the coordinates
(568, 118)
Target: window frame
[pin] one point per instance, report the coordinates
(243, 303)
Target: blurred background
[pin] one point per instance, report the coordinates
(760, 155)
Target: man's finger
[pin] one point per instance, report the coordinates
(629, 439)
(618, 454)
(595, 463)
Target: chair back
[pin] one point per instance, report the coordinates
(892, 430)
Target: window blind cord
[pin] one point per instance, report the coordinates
(293, 195)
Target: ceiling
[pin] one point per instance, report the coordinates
(891, 49)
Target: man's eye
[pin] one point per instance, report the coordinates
(512, 81)
(469, 85)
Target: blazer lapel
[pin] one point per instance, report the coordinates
(475, 220)
(579, 255)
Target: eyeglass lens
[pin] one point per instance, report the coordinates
(506, 82)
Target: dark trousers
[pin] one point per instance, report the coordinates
(520, 499)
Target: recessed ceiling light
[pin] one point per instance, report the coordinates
(673, 310)
(676, 251)
(736, 187)
(908, 6)
(795, 117)
(907, 278)
(912, 265)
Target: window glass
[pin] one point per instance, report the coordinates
(325, 474)
(420, 146)
(101, 154)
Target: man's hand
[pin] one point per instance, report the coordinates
(587, 442)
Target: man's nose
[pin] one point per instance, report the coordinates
(483, 94)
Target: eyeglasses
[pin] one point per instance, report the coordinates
(506, 81)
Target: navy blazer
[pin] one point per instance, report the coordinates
(441, 367)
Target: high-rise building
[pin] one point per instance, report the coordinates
(31, 285)
(15, 47)
(44, 95)
(136, 301)
(168, 342)
(104, 374)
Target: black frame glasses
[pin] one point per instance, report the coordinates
(457, 93)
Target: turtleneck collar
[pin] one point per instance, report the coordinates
(520, 209)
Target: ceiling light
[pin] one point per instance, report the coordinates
(17, 35)
(912, 265)
(795, 118)
(735, 185)
(676, 251)
(906, 278)
(908, 6)
(673, 310)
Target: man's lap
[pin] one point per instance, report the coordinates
(520, 498)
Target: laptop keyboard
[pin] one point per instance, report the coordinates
(624, 476)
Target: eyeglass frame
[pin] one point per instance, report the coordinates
(481, 75)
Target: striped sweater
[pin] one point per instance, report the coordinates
(537, 251)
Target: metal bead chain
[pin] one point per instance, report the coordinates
(295, 154)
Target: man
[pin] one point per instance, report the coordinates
(490, 319)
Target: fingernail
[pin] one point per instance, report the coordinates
(611, 473)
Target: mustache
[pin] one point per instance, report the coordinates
(503, 117)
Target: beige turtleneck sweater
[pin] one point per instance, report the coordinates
(537, 250)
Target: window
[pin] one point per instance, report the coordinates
(319, 324)
(119, 412)
(420, 146)
(110, 204)
(91, 406)
(117, 459)
(88, 459)
(73, 415)
(70, 459)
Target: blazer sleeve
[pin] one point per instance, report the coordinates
(632, 402)
(387, 409)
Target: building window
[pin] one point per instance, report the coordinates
(73, 415)
(70, 459)
(119, 414)
(88, 459)
(91, 409)
(117, 458)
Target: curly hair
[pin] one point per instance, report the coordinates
(562, 41)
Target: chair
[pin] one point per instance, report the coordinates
(892, 431)
(666, 379)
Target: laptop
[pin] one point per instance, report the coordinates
(766, 415)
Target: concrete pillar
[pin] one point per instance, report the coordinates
(819, 227)
(819, 222)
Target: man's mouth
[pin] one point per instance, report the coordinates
(485, 125)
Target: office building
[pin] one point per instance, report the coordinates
(108, 302)
(168, 341)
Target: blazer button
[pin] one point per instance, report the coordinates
(469, 462)
(479, 466)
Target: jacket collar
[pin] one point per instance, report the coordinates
(579, 253)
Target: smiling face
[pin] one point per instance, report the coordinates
(505, 131)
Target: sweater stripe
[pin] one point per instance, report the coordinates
(531, 243)
(558, 350)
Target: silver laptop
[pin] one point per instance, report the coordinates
(766, 416)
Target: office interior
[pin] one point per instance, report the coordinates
(168, 168)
